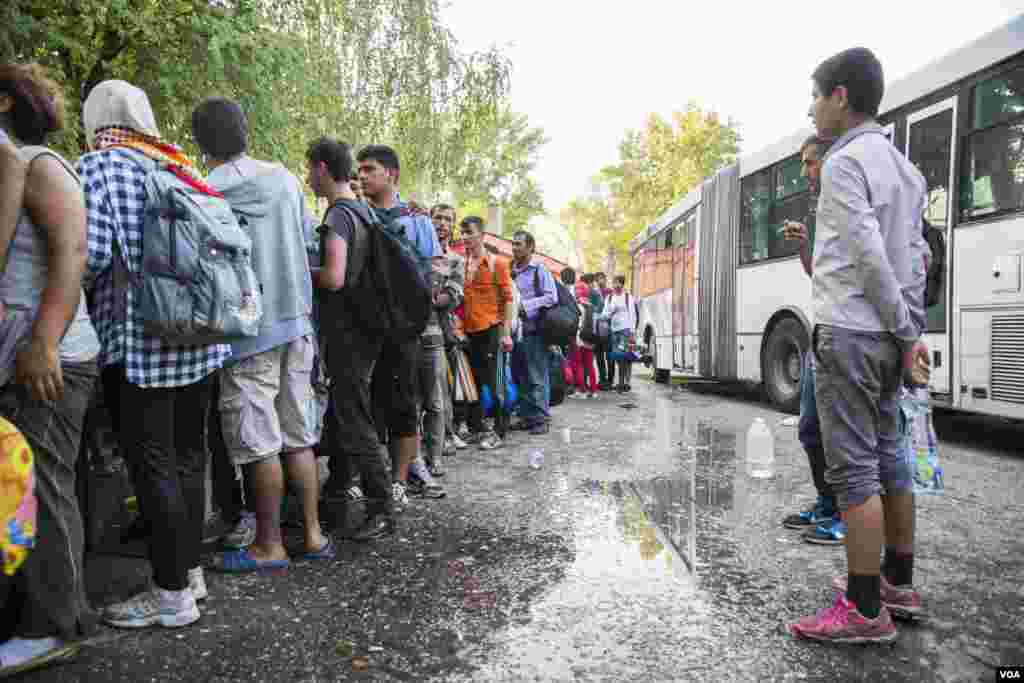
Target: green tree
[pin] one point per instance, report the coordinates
(363, 70)
(497, 161)
(657, 167)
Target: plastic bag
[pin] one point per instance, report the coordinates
(920, 444)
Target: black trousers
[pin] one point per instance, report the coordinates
(228, 491)
(352, 357)
(605, 369)
(483, 358)
(47, 594)
(162, 435)
(342, 475)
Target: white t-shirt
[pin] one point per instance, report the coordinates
(621, 309)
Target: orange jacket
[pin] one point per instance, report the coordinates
(483, 294)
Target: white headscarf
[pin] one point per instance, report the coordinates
(120, 104)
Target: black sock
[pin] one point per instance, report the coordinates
(898, 567)
(865, 593)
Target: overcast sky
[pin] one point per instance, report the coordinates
(586, 71)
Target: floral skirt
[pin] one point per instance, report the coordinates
(17, 498)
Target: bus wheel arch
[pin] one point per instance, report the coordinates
(786, 340)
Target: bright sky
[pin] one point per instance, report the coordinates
(586, 71)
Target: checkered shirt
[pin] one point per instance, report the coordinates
(115, 195)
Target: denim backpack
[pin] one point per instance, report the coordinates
(196, 284)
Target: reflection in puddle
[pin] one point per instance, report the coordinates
(682, 576)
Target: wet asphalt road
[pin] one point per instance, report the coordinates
(626, 557)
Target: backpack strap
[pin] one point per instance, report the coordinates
(492, 263)
(360, 240)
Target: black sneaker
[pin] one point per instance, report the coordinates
(540, 429)
(414, 487)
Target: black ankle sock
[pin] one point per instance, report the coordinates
(898, 567)
(865, 593)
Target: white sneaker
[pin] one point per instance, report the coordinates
(170, 609)
(244, 533)
(354, 494)
(490, 442)
(197, 583)
(458, 442)
(399, 498)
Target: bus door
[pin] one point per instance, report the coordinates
(930, 147)
(679, 240)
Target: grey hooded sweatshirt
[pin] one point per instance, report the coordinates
(270, 206)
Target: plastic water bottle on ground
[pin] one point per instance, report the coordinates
(760, 450)
(536, 459)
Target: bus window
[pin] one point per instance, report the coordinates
(663, 269)
(930, 147)
(993, 168)
(756, 198)
(769, 198)
(788, 179)
(646, 264)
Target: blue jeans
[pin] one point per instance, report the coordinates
(535, 391)
(809, 430)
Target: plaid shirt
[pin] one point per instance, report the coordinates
(115, 198)
(453, 271)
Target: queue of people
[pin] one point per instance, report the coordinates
(314, 380)
(309, 381)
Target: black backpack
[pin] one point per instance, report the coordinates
(588, 332)
(936, 265)
(560, 323)
(559, 389)
(389, 293)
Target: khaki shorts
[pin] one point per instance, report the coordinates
(268, 405)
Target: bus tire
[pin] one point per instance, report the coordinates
(662, 376)
(781, 363)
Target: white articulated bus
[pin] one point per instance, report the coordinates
(722, 295)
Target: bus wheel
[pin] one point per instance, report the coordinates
(781, 364)
(662, 376)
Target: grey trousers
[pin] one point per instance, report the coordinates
(433, 382)
(48, 592)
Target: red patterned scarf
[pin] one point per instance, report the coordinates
(156, 149)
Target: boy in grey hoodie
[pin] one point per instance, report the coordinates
(268, 404)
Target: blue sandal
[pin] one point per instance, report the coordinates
(328, 552)
(241, 562)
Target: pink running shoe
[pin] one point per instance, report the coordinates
(842, 623)
(903, 601)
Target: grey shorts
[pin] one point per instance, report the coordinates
(268, 405)
(857, 382)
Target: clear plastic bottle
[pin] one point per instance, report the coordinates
(922, 447)
(760, 450)
(536, 459)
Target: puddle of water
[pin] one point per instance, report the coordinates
(683, 577)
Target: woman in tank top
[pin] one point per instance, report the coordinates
(48, 349)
